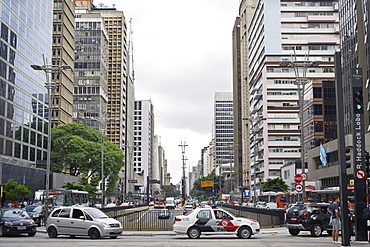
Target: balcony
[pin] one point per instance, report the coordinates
(321, 18)
(322, 40)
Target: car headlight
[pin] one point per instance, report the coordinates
(8, 223)
(105, 225)
(35, 215)
(254, 224)
(32, 222)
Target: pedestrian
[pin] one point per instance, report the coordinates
(334, 210)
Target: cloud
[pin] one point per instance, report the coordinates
(182, 56)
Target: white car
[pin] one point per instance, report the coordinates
(210, 221)
(82, 221)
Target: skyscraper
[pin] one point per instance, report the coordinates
(143, 143)
(63, 54)
(297, 33)
(24, 109)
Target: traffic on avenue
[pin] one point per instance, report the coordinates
(204, 225)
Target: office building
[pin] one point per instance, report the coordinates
(143, 144)
(63, 53)
(297, 33)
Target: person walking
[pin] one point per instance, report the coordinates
(334, 210)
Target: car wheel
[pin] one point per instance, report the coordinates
(294, 232)
(245, 232)
(114, 237)
(330, 232)
(193, 232)
(1, 231)
(72, 236)
(316, 230)
(31, 234)
(94, 233)
(52, 232)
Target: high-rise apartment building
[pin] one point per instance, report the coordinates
(91, 70)
(298, 33)
(63, 53)
(237, 103)
(223, 129)
(246, 9)
(24, 109)
(143, 144)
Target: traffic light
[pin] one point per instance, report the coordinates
(358, 99)
(348, 157)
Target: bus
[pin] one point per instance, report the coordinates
(159, 201)
(283, 199)
(63, 197)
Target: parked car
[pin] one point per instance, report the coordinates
(15, 221)
(210, 221)
(312, 217)
(37, 213)
(82, 221)
(164, 214)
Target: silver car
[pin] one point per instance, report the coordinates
(82, 221)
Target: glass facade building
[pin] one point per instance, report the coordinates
(25, 39)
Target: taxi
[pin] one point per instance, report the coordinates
(210, 221)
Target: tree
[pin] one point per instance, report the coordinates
(76, 150)
(13, 190)
(276, 184)
(206, 191)
(170, 191)
(85, 184)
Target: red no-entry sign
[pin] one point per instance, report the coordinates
(298, 178)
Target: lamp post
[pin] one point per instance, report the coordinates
(300, 71)
(254, 120)
(183, 146)
(51, 86)
(231, 159)
(103, 126)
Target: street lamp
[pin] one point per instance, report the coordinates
(254, 120)
(102, 130)
(300, 81)
(51, 86)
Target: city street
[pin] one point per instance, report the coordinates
(269, 237)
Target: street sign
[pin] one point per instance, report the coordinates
(154, 181)
(298, 178)
(132, 181)
(360, 174)
(246, 193)
(298, 187)
(304, 176)
(208, 183)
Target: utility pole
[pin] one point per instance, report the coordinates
(183, 146)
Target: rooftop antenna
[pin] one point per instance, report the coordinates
(113, 5)
(101, 5)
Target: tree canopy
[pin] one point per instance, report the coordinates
(170, 191)
(198, 191)
(276, 184)
(13, 190)
(76, 150)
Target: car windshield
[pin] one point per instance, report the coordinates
(33, 208)
(296, 208)
(96, 213)
(15, 214)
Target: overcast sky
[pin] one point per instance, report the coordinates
(182, 56)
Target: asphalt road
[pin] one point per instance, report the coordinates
(272, 237)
